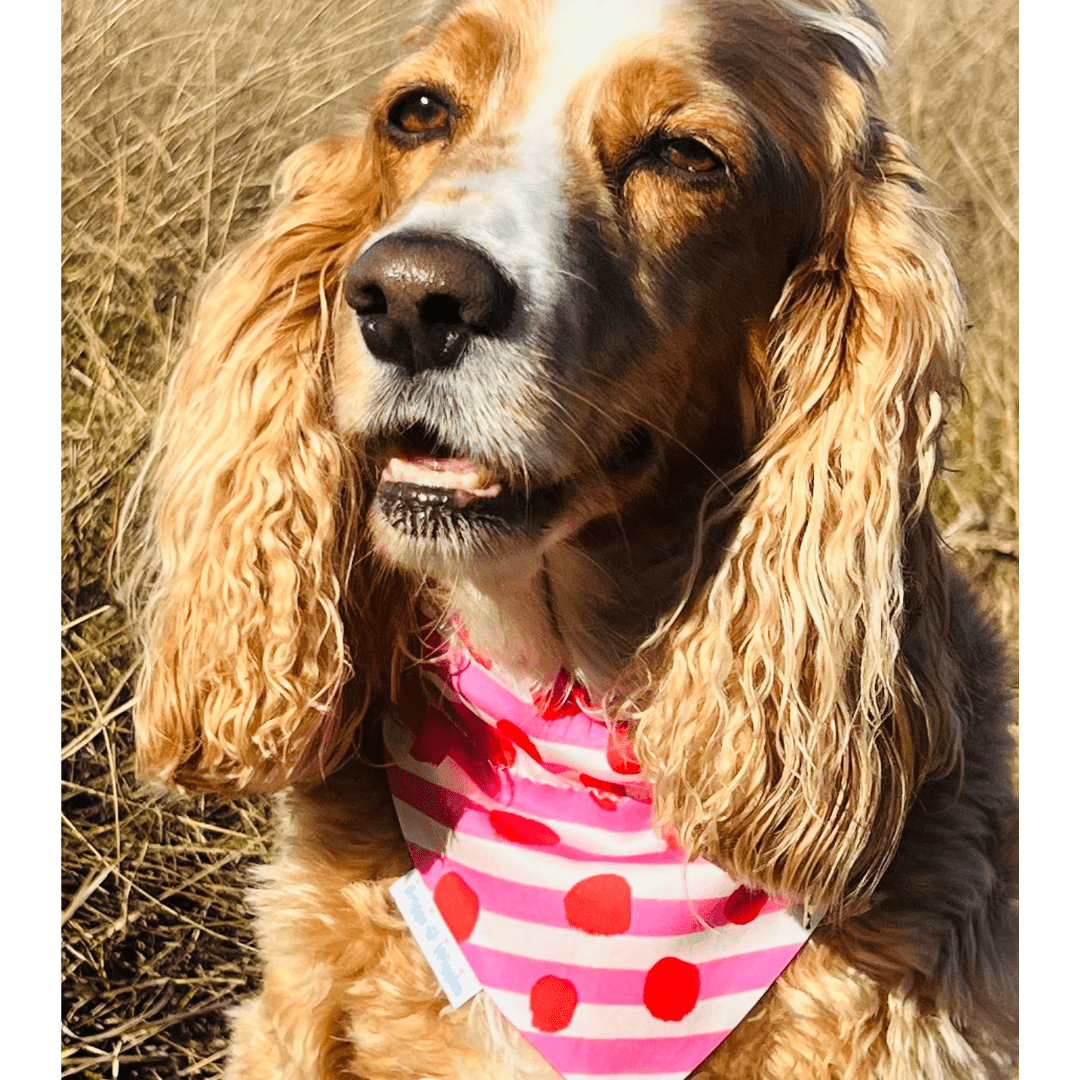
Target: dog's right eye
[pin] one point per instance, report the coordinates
(417, 117)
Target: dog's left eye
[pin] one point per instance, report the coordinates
(417, 116)
(689, 155)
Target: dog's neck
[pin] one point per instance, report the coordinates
(585, 604)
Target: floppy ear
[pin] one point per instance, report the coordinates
(790, 730)
(257, 511)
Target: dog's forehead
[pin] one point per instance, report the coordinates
(560, 43)
(580, 43)
(579, 37)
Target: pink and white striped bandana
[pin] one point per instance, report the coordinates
(531, 825)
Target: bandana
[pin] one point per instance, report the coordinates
(531, 824)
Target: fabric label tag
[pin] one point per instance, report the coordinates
(441, 951)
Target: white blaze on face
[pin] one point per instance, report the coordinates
(580, 36)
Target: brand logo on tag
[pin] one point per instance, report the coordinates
(441, 951)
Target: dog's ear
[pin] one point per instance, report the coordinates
(790, 732)
(255, 533)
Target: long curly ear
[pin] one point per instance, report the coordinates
(791, 730)
(256, 511)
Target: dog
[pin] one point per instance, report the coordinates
(614, 351)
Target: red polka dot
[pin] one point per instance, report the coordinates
(500, 750)
(563, 699)
(556, 703)
(522, 830)
(515, 734)
(579, 696)
(606, 795)
(458, 904)
(671, 988)
(552, 1001)
(744, 905)
(671, 839)
(599, 905)
(620, 752)
(602, 785)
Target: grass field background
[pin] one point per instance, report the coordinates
(175, 119)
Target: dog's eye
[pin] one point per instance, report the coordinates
(418, 116)
(690, 156)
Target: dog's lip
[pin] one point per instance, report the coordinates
(462, 476)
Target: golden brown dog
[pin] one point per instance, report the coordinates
(623, 333)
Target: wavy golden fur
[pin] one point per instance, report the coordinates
(818, 703)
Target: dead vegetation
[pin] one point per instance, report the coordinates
(174, 121)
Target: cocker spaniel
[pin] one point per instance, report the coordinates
(541, 501)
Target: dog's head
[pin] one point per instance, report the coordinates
(584, 256)
(588, 220)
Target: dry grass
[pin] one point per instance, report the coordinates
(953, 92)
(173, 127)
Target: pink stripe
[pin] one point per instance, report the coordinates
(640, 792)
(599, 1056)
(481, 733)
(483, 697)
(575, 804)
(535, 904)
(455, 811)
(617, 986)
(481, 690)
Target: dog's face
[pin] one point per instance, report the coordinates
(590, 213)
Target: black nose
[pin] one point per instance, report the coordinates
(420, 298)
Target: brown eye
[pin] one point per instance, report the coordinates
(418, 116)
(689, 155)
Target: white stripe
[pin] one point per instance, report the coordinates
(535, 866)
(718, 1014)
(582, 759)
(628, 953)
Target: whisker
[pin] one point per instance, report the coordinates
(568, 427)
(651, 424)
(600, 473)
(575, 277)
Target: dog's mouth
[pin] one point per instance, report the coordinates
(430, 491)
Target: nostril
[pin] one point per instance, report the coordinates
(367, 300)
(437, 309)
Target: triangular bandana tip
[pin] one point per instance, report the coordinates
(541, 878)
